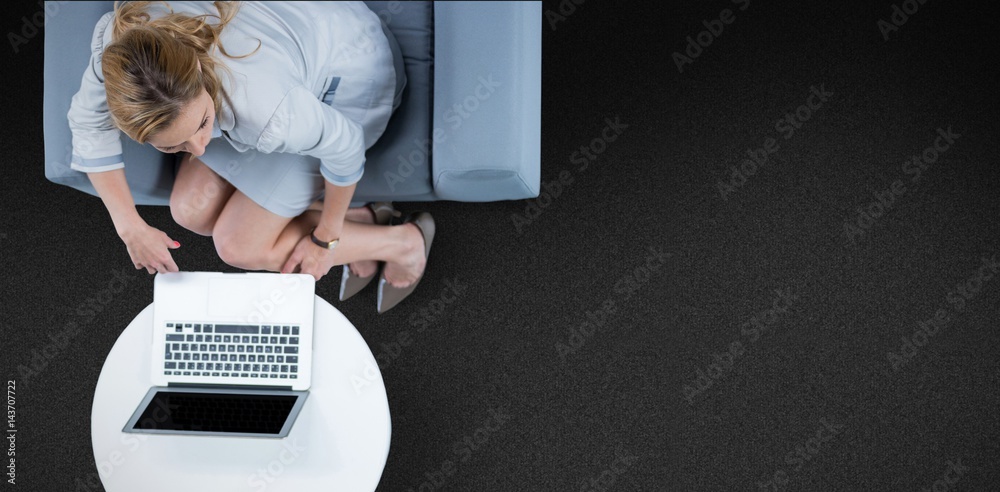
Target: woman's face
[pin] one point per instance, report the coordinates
(191, 131)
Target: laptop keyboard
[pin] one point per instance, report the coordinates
(228, 350)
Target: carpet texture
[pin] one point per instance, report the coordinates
(762, 262)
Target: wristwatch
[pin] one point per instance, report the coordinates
(323, 244)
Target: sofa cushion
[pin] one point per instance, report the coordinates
(397, 167)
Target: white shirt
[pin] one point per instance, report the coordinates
(277, 93)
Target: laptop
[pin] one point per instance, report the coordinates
(231, 354)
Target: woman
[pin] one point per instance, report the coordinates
(271, 108)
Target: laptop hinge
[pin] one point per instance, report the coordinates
(229, 386)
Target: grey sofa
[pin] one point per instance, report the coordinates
(468, 128)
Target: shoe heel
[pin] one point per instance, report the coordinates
(389, 296)
(351, 284)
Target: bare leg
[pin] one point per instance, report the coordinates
(362, 215)
(198, 196)
(250, 237)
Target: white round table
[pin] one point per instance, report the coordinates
(340, 440)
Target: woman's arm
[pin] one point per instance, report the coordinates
(335, 204)
(148, 247)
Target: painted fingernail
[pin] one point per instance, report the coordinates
(177, 244)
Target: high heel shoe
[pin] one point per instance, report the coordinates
(389, 296)
(350, 283)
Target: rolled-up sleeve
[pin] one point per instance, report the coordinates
(96, 142)
(303, 124)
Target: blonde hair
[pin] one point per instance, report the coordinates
(151, 65)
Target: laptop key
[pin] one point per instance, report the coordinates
(253, 374)
(170, 365)
(187, 373)
(268, 349)
(283, 340)
(175, 338)
(284, 376)
(215, 374)
(232, 348)
(197, 328)
(274, 376)
(295, 330)
(270, 358)
(295, 369)
(291, 350)
(284, 330)
(208, 328)
(293, 340)
(266, 330)
(284, 368)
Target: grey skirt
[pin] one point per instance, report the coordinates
(284, 184)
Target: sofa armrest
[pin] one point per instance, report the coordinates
(487, 100)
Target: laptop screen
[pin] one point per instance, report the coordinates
(216, 413)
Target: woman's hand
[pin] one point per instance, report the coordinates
(149, 248)
(309, 258)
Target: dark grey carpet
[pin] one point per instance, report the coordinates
(628, 328)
